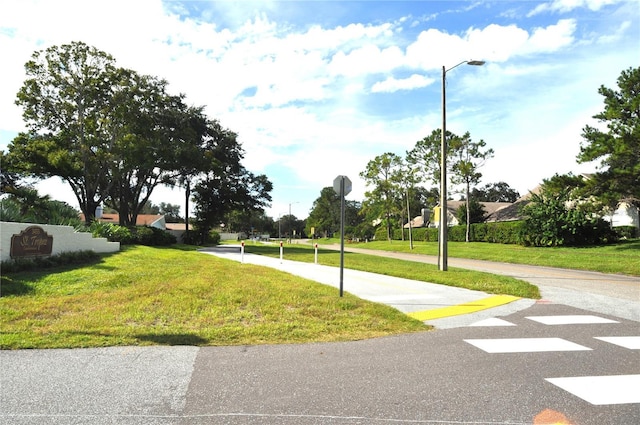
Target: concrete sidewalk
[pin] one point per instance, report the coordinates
(439, 305)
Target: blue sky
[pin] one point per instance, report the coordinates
(317, 89)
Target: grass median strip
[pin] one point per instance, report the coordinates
(479, 281)
(470, 307)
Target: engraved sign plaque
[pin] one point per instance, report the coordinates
(31, 242)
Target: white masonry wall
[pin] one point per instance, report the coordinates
(65, 239)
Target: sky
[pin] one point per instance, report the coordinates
(317, 89)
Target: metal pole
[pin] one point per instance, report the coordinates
(409, 218)
(442, 255)
(341, 236)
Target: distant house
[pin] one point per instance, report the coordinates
(492, 209)
(625, 215)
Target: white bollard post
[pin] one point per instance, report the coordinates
(316, 256)
(242, 252)
(281, 252)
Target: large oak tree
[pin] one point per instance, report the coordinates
(114, 135)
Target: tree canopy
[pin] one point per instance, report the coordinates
(384, 174)
(468, 157)
(617, 147)
(114, 135)
(495, 192)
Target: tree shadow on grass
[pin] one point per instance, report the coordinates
(106, 339)
(172, 339)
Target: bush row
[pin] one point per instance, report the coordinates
(139, 235)
(39, 263)
(508, 232)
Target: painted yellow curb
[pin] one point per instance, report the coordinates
(465, 308)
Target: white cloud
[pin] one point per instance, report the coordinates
(565, 6)
(391, 84)
(553, 37)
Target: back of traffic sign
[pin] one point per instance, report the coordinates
(347, 185)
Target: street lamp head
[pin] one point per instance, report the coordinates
(475, 63)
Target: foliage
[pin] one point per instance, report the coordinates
(40, 263)
(553, 218)
(226, 186)
(626, 232)
(476, 210)
(325, 216)
(425, 156)
(151, 236)
(251, 222)
(133, 235)
(495, 192)
(469, 157)
(384, 200)
(114, 135)
(63, 99)
(171, 212)
(111, 232)
(508, 232)
(25, 205)
(618, 147)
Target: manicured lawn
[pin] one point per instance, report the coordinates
(176, 296)
(623, 257)
(469, 279)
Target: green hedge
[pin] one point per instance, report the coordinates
(626, 232)
(138, 235)
(508, 232)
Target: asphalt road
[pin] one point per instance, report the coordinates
(545, 362)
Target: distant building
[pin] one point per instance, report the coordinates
(151, 220)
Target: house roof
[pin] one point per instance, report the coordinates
(142, 220)
(489, 207)
(176, 226)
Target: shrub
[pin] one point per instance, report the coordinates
(626, 232)
(553, 220)
(59, 260)
(214, 237)
(140, 235)
(112, 232)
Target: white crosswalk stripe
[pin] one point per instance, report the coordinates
(630, 342)
(525, 345)
(601, 390)
(597, 390)
(583, 319)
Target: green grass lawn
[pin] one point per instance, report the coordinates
(176, 296)
(623, 257)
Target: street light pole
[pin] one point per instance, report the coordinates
(290, 225)
(443, 231)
